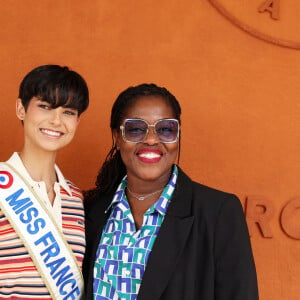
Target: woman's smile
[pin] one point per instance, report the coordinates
(149, 155)
(51, 133)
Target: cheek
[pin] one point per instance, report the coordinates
(173, 149)
(72, 125)
(127, 154)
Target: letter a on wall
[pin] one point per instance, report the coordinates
(272, 6)
(261, 19)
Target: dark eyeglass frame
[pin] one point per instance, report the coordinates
(122, 127)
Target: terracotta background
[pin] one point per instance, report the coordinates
(239, 94)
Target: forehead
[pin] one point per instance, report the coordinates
(57, 97)
(150, 108)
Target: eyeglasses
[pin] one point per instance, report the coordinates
(136, 130)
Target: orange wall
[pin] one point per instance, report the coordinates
(239, 94)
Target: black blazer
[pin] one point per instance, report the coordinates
(202, 250)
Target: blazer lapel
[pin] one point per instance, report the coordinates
(95, 220)
(170, 242)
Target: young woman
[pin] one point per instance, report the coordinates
(42, 237)
(152, 233)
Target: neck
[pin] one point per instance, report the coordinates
(144, 190)
(144, 187)
(40, 165)
(144, 196)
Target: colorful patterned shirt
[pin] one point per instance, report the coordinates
(123, 252)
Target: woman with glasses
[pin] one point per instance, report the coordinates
(152, 233)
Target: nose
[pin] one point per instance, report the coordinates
(151, 137)
(55, 117)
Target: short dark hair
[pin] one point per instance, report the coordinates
(113, 168)
(57, 85)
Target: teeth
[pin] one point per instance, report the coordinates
(50, 132)
(149, 155)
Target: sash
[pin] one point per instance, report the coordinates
(41, 236)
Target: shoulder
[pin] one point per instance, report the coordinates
(96, 201)
(221, 213)
(184, 182)
(72, 186)
(214, 196)
(74, 189)
(203, 197)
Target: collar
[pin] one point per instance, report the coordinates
(17, 163)
(160, 205)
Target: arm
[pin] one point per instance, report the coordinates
(235, 270)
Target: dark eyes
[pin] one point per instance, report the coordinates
(136, 130)
(67, 111)
(70, 112)
(44, 106)
(164, 130)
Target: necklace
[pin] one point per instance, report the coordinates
(141, 198)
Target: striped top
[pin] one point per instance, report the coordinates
(19, 278)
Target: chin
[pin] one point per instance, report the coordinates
(153, 176)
